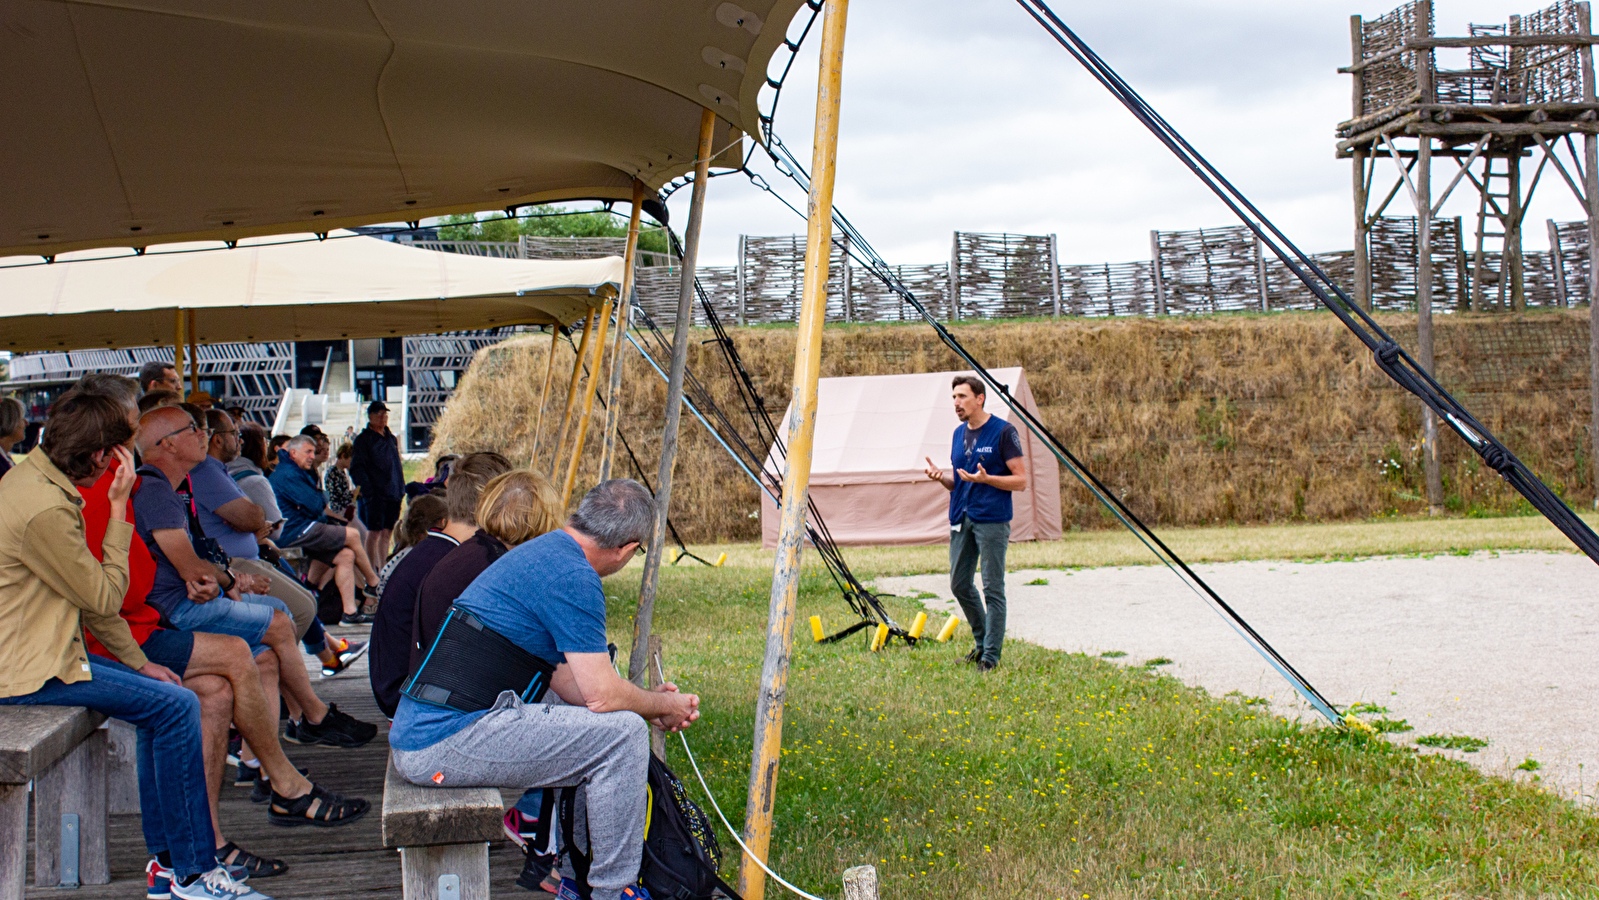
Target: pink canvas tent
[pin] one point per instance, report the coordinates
(872, 434)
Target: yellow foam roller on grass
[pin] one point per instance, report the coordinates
(721, 559)
(948, 631)
(918, 625)
(816, 628)
(880, 638)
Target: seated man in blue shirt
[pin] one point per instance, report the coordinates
(545, 596)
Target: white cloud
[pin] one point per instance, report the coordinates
(965, 115)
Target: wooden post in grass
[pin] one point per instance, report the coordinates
(674, 404)
(860, 883)
(544, 394)
(797, 471)
(1424, 340)
(1590, 190)
(613, 393)
(571, 391)
(588, 405)
(177, 344)
(657, 666)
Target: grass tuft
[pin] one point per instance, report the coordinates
(1463, 743)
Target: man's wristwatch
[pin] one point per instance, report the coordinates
(233, 580)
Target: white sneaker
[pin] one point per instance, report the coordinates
(216, 884)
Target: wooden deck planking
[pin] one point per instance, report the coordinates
(348, 861)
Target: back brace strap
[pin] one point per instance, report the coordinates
(470, 664)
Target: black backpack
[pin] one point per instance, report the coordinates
(681, 857)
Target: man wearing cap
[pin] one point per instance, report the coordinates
(375, 469)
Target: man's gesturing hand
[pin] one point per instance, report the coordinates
(978, 477)
(934, 473)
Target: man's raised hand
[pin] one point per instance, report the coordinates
(934, 473)
(978, 477)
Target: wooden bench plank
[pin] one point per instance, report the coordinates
(415, 816)
(33, 738)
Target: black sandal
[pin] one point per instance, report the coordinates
(231, 854)
(319, 807)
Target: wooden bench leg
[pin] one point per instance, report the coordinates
(122, 768)
(76, 785)
(420, 868)
(13, 840)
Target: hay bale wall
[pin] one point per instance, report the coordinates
(1230, 419)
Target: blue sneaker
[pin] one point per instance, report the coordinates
(157, 881)
(216, 884)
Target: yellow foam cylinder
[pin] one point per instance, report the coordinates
(918, 625)
(948, 631)
(816, 628)
(721, 559)
(880, 638)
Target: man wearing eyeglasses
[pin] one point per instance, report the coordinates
(186, 586)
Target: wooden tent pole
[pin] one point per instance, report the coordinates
(639, 657)
(571, 391)
(797, 471)
(588, 405)
(544, 393)
(194, 358)
(178, 343)
(613, 393)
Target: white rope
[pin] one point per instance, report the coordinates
(730, 830)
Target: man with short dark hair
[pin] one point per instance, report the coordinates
(988, 468)
(157, 374)
(376, 470)
(545, 597)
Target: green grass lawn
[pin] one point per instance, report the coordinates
(1063, 776)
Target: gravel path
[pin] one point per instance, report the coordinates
(1500, 647)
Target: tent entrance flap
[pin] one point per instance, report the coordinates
(872, 434)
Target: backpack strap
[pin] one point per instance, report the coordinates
(579, 860)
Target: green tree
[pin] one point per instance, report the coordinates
(548, 220)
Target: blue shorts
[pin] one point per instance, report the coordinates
(169, 648)
(248, 619)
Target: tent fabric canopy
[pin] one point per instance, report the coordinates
(873, 435)
(137, 122)
(348, 286)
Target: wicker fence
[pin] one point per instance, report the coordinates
(1000, 276)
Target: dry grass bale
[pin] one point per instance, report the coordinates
(1194, 420)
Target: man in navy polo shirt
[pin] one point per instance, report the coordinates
(989, 467)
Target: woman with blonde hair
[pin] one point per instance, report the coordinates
(514, 508)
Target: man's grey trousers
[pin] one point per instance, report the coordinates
(985, 541)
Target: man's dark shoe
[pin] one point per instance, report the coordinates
(975, 656)
(261, 791)
(984, 666)
(538, 874)
(337, 730)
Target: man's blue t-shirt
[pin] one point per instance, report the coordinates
(545, 597)
(213, 488)
(157, 507)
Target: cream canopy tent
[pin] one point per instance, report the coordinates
(867, 479)
(137, 122)
(287, 289)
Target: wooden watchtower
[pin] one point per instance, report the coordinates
(1526, 95)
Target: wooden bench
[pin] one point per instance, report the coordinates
(62, 751)
(443, 836)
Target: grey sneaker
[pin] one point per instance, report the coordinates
(216, 884)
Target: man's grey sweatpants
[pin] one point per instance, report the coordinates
(544, 745)
(988, 541)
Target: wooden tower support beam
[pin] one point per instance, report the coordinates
(613, 393)
(544, 394)
(1424, 342)
(1362, 284)
(1590, 180)
(797, 471)
(639, 657)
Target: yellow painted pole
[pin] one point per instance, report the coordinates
(588, 404)
(178, 343)
(613, 394)
(544, 394)
(194, 359)
(816, 629)
(919, 625)
(677, 371)
(571, 390)
(948, 631)
(797, 473)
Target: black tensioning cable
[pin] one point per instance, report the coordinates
(1387, 352)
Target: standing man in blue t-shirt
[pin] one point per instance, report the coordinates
(989, 467)
(545, 597)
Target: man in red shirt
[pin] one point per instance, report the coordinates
(218, 668)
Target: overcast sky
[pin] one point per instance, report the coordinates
(964, 115)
